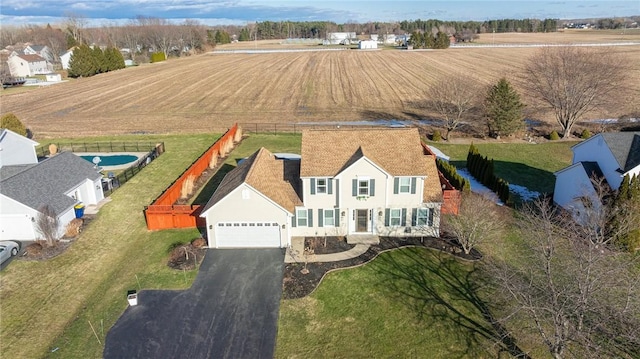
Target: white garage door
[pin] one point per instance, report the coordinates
(18, 227)
(247, 235)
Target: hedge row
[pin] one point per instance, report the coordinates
(482, 169)
(451, 174)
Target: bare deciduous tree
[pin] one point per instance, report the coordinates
(454, 98)
(573, 81)
(477, 222)
(48, 225)
(578, 296)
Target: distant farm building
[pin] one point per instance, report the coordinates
(340, 38)
(367, 44)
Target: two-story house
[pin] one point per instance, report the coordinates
(607, 155)
(373, 182)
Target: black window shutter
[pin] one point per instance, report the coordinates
(320, 217)
(403, 217)
(354, 187)
(413, 185)
(396, 185)
(414, 217)
(330, 186)
(430, 217)
(313, 186)
(310, 220)
(337, 192)
(293, 220)
(372, 190)
(337, 215)
(387, 214)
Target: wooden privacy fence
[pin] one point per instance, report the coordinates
(163, 213)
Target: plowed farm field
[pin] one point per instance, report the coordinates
(210, 92)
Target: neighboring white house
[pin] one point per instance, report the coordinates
(340, 38)
(367, 44)
(16, 149)
(28, 65)
(365, 183)
(53, 77)
(40, 50)
(60, 182)
(65, 58)
(606, 155)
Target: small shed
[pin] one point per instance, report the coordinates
(53, 77)
(367, 44)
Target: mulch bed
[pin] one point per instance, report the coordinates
(326, 245)
(187, 256)
(39, 250)
(295, 284)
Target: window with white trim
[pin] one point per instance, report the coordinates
(395, 217)
(422, 217)
(321, 185)
(404, 185)
(329, 217)
(363, 187)
(301, 218)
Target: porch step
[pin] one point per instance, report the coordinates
(363, 239)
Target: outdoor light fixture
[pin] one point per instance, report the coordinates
(380, 214)
(283, 226)
(33, 219)
(342, 213)
(210, 226)
(97, 186)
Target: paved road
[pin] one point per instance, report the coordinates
(231, 311)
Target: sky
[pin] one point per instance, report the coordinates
(240, 12)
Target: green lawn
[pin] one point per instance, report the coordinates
(50, 304)
(53, 305)
(528, 165)
(407, 303)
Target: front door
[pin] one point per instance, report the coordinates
(362, 220)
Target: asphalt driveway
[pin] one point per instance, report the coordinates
(231, 311)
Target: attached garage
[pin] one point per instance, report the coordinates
(247, 235)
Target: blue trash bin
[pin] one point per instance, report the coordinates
(79, 209)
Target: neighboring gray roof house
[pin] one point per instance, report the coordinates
(625, 147)
(47, 182)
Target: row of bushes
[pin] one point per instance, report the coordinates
(451, 174)
(482, 169)
(86, 61)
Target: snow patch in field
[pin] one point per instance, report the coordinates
(524, 193)
(477, 187)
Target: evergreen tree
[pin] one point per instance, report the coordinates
(11, 122)
(82, 63)
(503, 109)
(100, 60)
(441, 41)
(244, 35)
(416, 40)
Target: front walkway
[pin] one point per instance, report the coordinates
(296, 254)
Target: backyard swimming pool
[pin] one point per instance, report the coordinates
(111, 160)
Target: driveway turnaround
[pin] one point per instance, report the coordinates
(231, 311)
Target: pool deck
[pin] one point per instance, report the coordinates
(112, 168)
